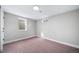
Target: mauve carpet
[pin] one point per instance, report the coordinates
(38, 45)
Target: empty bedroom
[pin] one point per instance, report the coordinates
(39, 29)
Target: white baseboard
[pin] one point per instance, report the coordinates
(65, 43)
(18, 39)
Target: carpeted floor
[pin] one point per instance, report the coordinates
(38, 45)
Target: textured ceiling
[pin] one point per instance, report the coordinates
(47, 10)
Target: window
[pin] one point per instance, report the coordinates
(22, 24)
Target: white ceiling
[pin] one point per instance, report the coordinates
(47, 10)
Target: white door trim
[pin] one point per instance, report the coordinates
(2, 26)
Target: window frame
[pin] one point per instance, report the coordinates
(25, 23)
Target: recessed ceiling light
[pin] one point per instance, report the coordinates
(36, 8)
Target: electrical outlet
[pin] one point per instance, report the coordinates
(3, 39)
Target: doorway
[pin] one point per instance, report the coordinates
(2, 29)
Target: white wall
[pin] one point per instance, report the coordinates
(63, 27)
(11, 28)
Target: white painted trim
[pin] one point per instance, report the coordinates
(65, 43)
(18, 39)
(1, 31)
